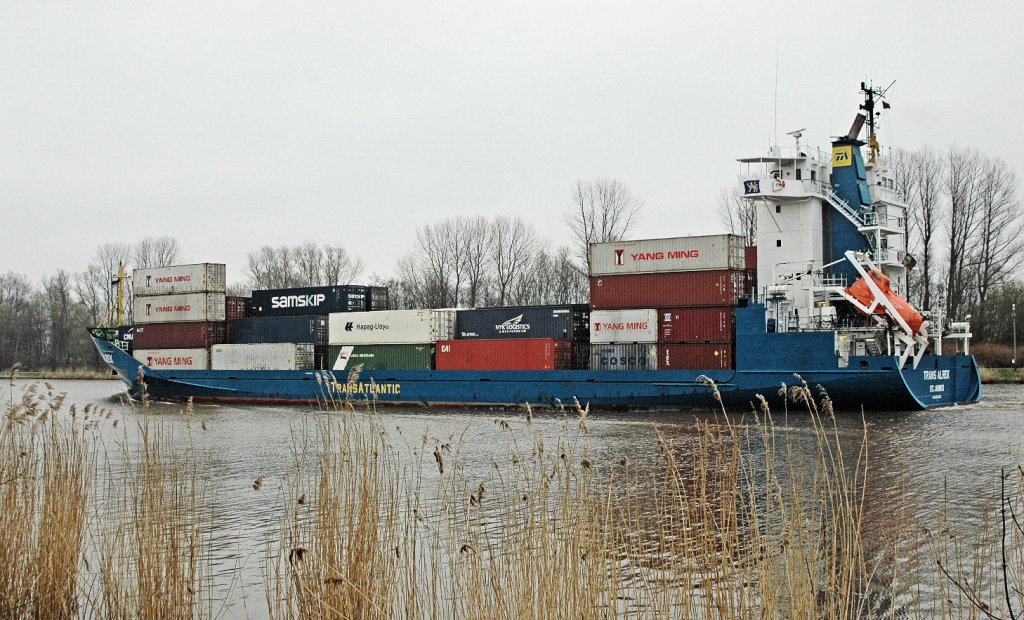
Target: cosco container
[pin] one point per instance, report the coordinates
(253, 330)
(391, 327)
(707, 253)
(623, 357)
(264, 356)
(505, 354)
(665, 290)
(703, 356)
(382, 356)
(711, 324)
(623, 326)
(173, 359)
(566, 322)
(180, 335)
(178, 279)
(235, 307)
(309, 300)
(188, 307)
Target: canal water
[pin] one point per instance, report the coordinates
(917, 459)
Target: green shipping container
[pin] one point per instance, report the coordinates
(382, 356)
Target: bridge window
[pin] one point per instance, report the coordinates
(814, 175)
(778, 243)
(778, 208)
(798, 174)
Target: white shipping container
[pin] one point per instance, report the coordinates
(186, 308)
(391, 326)
(176, 279)
(707, 253)
(263, 356)
(623, 326)
(173, 359)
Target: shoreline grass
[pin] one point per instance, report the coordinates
(67, 373)
(1001, 375)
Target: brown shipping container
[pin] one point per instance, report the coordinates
(180, 335)
(714, 324)
(705, 356)
(504, 354)
(666, 290)
(750, 257)
(234, 307)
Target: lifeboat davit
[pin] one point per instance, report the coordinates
(861, 291)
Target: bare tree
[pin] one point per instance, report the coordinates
(476, 237)
(739, 216)
(94, 287)
(997, 250)
(962, 185)
(601, 210)
(155, 252)
(302, 265)
(513, 242)
(20, 329)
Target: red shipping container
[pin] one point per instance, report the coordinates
(180, 335)
(234, 307)
(504, 354)
(705, 356)
(667, 290)
(750, 257)
(714, 324)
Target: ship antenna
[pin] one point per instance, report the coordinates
(870, 95)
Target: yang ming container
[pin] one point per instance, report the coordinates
(567, 322)
(309, 300)
(505, 354)
(704, 356)
(707, 253)
(391, 327)
(623, 357)
(188, 307)
(253, 330)
(382, 356)
(177, 279)
(665, 290)
(710, 324)
(623, 326)
(180, 335)
(173, 359)
(265, 356)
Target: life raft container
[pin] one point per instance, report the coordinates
(860, 291)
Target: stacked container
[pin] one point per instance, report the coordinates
(551, 337)
(387, 339)
(319, 300)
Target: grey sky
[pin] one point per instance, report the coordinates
(236, 125)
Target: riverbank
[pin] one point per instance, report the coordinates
(67, 373)
(1002, 375)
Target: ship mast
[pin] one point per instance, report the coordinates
(872, 95)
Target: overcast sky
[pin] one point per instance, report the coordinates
(232, 125)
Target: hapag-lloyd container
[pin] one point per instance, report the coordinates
(253, 330)
(310, 300)
(504, 354)
(707, 253)
(183, 308)
(665, 290)
(173, 359)
(391, 327)
(564, 322)
(623, 357)
(180, 335)
(623, 326)
(709, 324)
(263, 356)
(703, 356)
(382, 356)
(178, 279)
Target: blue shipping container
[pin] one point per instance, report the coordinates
(298, 329)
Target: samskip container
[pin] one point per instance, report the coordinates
(623, 357)
(382, 356)
(187, 307)
(707, 253)
(264, 356)
(564, 322)
(253, 330)
(707, 324)
(704, 356)
(391, 327)
(665, 290)
(180, 335)
(173, 359)
(309, 300)
(623, 326)
(235, 307)
(178, 279)
(505, 354)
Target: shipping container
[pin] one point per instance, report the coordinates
(180, 335)
(179, 279)
(173, 359)
(623, 326)
(263, 356)
(623, 357)
(309, 300)
(188, 307)
(392, 327)
(235, 307)
(750, 257)
(580, 359)
(505, 354)
(710, 324)
(253, 330)
(703, 356)
(564, 322)
(666, 290)
(379, 298)
(707, 253)
(382, 356)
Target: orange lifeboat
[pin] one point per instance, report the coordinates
(860, 291)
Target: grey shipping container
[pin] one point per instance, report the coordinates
(564, 322)
(262, 356)
(184, 308)
(309, 300)
(382, 356)
(706, 253)
(178, 279)
(252, 330)
(623, 357)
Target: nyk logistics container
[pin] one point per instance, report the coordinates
(187, 307)
(177, 279)
(391, 326)
(665, 290)
(382, 356)
(623, 357)
(504, 354)
(565, 322)
(708, 253)
(180, 335)
(309, 300)
(711, 324)
(703, 356)
(265, 356)
(623, 326)
(173, 359)
(252, 330)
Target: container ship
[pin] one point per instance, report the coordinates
(672, 323)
